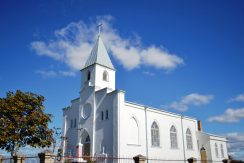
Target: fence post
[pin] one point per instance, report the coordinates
(139, 159)
(46, 157)
(1, 159)
(19, 158)
(192, 160)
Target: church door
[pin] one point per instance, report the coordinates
(87, 147)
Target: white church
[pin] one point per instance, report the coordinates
(101, 121)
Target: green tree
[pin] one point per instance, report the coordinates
(23, 122)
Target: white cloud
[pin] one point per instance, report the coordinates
(73, 43)
(159, 58)
(193, 99)
(238, 98)
(229, 116)
(48, 50)
(236, 144)
(235, 136)
(52, 73)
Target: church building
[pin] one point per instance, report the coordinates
(102, 121)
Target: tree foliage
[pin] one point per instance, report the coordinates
(23, 121)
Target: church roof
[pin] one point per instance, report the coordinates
(99, 55)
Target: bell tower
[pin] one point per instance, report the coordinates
(98, 70)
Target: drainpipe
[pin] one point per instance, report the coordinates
(94, 125)
(64, 135)
(78, 127)
(146, 132)
(184, 152)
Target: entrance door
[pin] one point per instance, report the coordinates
(87, 148)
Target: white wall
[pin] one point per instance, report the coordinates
(165, 121)
(97, 77)
(71, 132)
(127, 148)
(104, 128)
(100, 83)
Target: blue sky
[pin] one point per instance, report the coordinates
(188, 56)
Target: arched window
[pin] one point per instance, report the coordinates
(173, 137)
(216, 150)
(88, 75)
(189, 139)
(133, 133)
(71, 124)
(222, 150)
(106, 114)
(105, 75)
(74, 123)
(102, 115)
(155, 135)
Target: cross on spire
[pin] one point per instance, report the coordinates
(99, 28)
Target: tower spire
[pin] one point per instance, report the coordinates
(99, 54)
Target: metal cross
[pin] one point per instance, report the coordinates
(99, 28)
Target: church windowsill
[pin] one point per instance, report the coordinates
(135, 145)
(156, 147)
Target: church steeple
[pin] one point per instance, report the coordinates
(99, 70)
(99, 55)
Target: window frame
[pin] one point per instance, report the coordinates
(102, 115)
(216, 150)
(71, 123)
(155, 135)
(189, 142)
(106, 115)
(222, 150)
(105, 76)
(74, 126)
(173, 137)
(88, 75)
